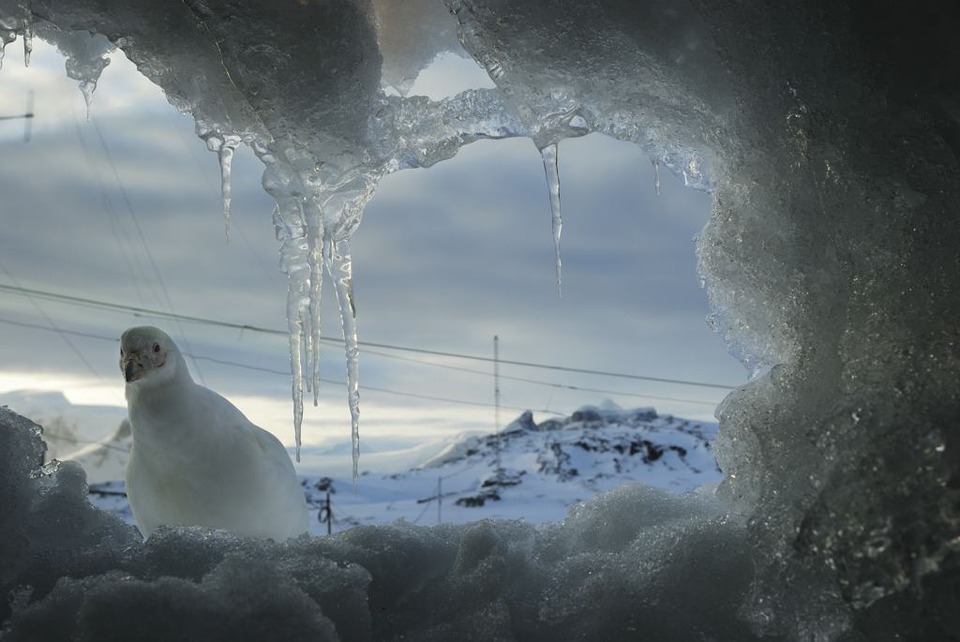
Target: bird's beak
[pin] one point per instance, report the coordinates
(131, 370)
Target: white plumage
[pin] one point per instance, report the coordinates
(196, 459)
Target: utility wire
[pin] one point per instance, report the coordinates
(76, 333)
(122, 243)
(246, 366)
(561, 386)
(143, 239)
(78, 441)
(252, 328)
(274, 371)
(53, 326)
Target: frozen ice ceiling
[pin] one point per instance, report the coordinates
(829, 134)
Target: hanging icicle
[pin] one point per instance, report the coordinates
(656, 174)
(224, 145)
(295, 333)
(339, 263)
(551, 168)
(288, 219)
(6, 37)
(225, 155)
(27, 33)
(315, 240)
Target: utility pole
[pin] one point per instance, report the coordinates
(496, 403)
(439, 497)
(326, 513)
(27, 117)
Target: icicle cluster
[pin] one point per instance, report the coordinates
(242, 75)
(322, 169)
(17, 22)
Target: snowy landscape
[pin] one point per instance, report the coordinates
(544, 469)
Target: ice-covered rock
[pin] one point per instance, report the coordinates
(829, 133)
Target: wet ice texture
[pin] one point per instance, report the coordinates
(830, 137)
(86, 55)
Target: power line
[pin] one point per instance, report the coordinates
(539, 382)
(252, 328)
(246, 366)
(129, 207)
(461, 402)
(551, 384)
(90, 442)
(54, 327)
(140, 234)
(284, 373)
(116, 228)
(544, 366)
(76, 333)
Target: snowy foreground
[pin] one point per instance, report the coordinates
(631, 563)
(545, 469)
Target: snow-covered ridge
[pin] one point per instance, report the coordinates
(530, 471)
(616, 435)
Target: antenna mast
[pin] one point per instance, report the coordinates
(496, 400)
(27, 117)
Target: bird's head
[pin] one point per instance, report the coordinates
(148, 354)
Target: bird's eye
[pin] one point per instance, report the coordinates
(156, 347)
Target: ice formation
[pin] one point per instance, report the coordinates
(551, 167)
(86, 59)
(829, 134)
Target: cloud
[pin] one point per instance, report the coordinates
(446, 258)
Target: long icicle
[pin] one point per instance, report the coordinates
(552, 170)
(340, 267)
(290, 221)
(315, 239)
(225, 152)
(295, 293)
(27, 33)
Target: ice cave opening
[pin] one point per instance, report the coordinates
(828, 133)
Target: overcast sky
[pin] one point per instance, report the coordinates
(126, 209)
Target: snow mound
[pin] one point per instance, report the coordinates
(618, 565)
(593, 444)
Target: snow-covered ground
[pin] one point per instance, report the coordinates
(544, 469)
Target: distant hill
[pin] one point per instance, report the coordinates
(543, 470)
(75, 431)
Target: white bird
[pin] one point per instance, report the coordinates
(196, 459)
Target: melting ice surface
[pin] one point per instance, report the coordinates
(86, 55)
(837, 517)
